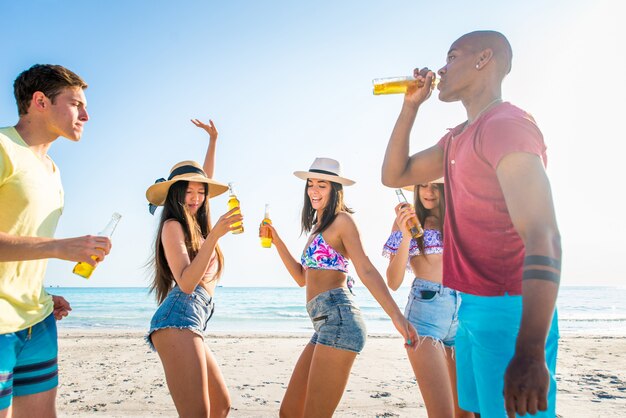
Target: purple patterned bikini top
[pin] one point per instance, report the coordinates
(433, 244)
(321, 256)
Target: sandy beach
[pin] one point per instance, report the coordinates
(114, 374)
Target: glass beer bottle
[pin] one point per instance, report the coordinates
(85, 269)
(266, 233)
(396, 85)
(233, 202)
(414, 225)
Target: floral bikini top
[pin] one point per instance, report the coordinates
(321, 256)
(433, 244)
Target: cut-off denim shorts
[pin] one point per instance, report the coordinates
(183, 311)
(433, 310)
(337, 320)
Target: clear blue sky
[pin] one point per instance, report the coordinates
(288, 81)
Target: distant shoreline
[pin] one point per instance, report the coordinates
(134, 332)
(76, 332)
(587, 310)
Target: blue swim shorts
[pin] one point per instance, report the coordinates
(183, 311)
(433, 310)
(337, 320)
(485, 344)
(28, 361)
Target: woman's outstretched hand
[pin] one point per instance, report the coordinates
(210, 128)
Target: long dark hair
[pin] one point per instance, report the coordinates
(422, 213)
(196, 228)
(334, 206)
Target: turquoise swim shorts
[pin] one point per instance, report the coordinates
(485, 344)
(28, 361)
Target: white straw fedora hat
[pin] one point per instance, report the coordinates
(325, 169)
(412, 188)
(184, 170)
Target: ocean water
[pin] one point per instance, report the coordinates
(582, 309)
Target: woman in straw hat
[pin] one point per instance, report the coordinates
(321, 373)
(188, 263)
(432, 308)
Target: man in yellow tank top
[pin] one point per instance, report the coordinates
(51, 103)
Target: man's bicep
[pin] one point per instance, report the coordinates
(527, 193)
(426, 165)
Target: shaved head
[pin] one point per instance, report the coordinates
(488, 39)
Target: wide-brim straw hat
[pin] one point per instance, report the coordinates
(183, 171)
(325, 169)
(412, 188)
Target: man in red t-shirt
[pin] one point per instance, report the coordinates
(501, 242)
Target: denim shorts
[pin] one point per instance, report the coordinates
(337, 320)
(433, 310)
(28, 361)
(183, 311)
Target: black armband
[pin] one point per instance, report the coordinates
(542, 260)
(542, 275)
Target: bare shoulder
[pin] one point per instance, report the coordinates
(172, 229)
(345, 220)
(345, 225)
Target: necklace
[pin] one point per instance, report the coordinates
(494, 101)
(468, 122)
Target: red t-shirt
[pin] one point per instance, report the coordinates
(483, 253)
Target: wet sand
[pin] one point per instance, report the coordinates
(114, 374)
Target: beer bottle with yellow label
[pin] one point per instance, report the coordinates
(266, 233)
(233, 202)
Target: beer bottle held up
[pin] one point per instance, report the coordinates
(414, 225)
(266, 233)
(85, 269)
(233, 202)
(396, 85)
